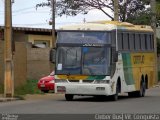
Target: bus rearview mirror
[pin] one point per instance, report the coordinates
(52, 57)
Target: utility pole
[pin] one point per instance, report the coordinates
(153, 24)
(116, 16)
(53, 23)
(8, 56)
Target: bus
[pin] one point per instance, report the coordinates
(104, 58)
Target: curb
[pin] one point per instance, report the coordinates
(156, 86)
(8, 99)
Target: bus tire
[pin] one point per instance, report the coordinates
(132, 94)
(141, 92)
(115, 96)
(69, 97)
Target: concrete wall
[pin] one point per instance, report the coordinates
(38, 64)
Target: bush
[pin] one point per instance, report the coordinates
(29, 88)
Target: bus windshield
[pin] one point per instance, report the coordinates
(83, 60)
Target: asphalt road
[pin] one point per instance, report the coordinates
(56, 104)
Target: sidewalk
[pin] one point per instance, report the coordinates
(3, 99)
(158, 85)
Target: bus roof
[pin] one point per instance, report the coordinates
(107, 26)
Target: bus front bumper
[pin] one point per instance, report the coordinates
(83, 89)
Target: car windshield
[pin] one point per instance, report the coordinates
(83, 60)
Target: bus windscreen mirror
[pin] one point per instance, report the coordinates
(52, 55)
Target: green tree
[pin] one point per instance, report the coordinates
(127, 8)
(142, 18)
(158, 12)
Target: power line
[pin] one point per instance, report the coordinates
(67, 22)
(23, 9)
(31, 12)
(47, 23)
(28, 12)
(32, 24)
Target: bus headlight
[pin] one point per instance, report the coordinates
(101, 81)
(61, 89)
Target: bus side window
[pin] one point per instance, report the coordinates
(126, 41)
(137, 41)
(152, 42)
(142, 41)
(148, 42)
(120, 41)
(131, 41)
(146, 47)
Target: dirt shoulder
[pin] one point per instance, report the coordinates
(42, 96)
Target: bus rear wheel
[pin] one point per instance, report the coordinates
(141, 92)
(69, 97)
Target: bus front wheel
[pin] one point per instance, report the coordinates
(115, 96)
(69, 97)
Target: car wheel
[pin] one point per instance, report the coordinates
(45, 91)
(69, 97)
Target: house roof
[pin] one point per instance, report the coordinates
(29, 29)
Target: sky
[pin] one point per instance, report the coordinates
(24, 14)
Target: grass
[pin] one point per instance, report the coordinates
(29, 88)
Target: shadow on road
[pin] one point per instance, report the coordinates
(100, 98)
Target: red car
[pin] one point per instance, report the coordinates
(47, 83)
